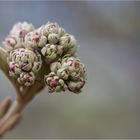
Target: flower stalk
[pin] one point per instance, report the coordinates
(34, 58)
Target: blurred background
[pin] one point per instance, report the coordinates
(109, 36)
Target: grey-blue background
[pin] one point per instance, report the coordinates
(109, 35)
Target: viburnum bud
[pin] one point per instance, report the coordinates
(11, 42)
(21, 29)
(75, 86)
(61, 31)
(51, 52)
(26, 79)
(75, 67)
(14, 69)
(35, 39)
(63, 73)
(55, 66)
(71, 71)
(53, 38)
(51, 28)
(69, 43)
(40, 30)
(54, 83)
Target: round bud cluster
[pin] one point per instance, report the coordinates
(74, 66)
(76, 71)
(23, 63)
(55, 83)
(27, 48)
(52, 41)
(16, 36)
(71, 71)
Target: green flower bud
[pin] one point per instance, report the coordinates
(26, 79)
(69, 43)
(40, 30)
(63, 73)
(21, 29)
(75, 68)
(55, 66)
(51, 52)
(11, 42)
(51, 28)
(28, 48)
(54, 83)
(53, 38)
(23, 61)
(75, 86)
(35, 39)
(61, 32)
(14, 69)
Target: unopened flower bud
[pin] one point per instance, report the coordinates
(23, 61)
(61, 31)
(28, 48)
(69, 43)
(54, 83)
(35, 39)
(21, 29)
(14, 69)
(51, 52)
(55, 66)
(75, 86)
(53, 38)
(11, 42)
(51, 28)
(36, 67)
(63, 73)
(75, 67)
(26, 79)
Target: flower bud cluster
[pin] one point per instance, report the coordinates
(71, 71)
(55, 83)
(27, 48)
(23, 64)
(16, 36)
(52, 41)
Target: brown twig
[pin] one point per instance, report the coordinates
(10, 123)
(10, 111)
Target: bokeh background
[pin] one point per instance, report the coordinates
(109, 36)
